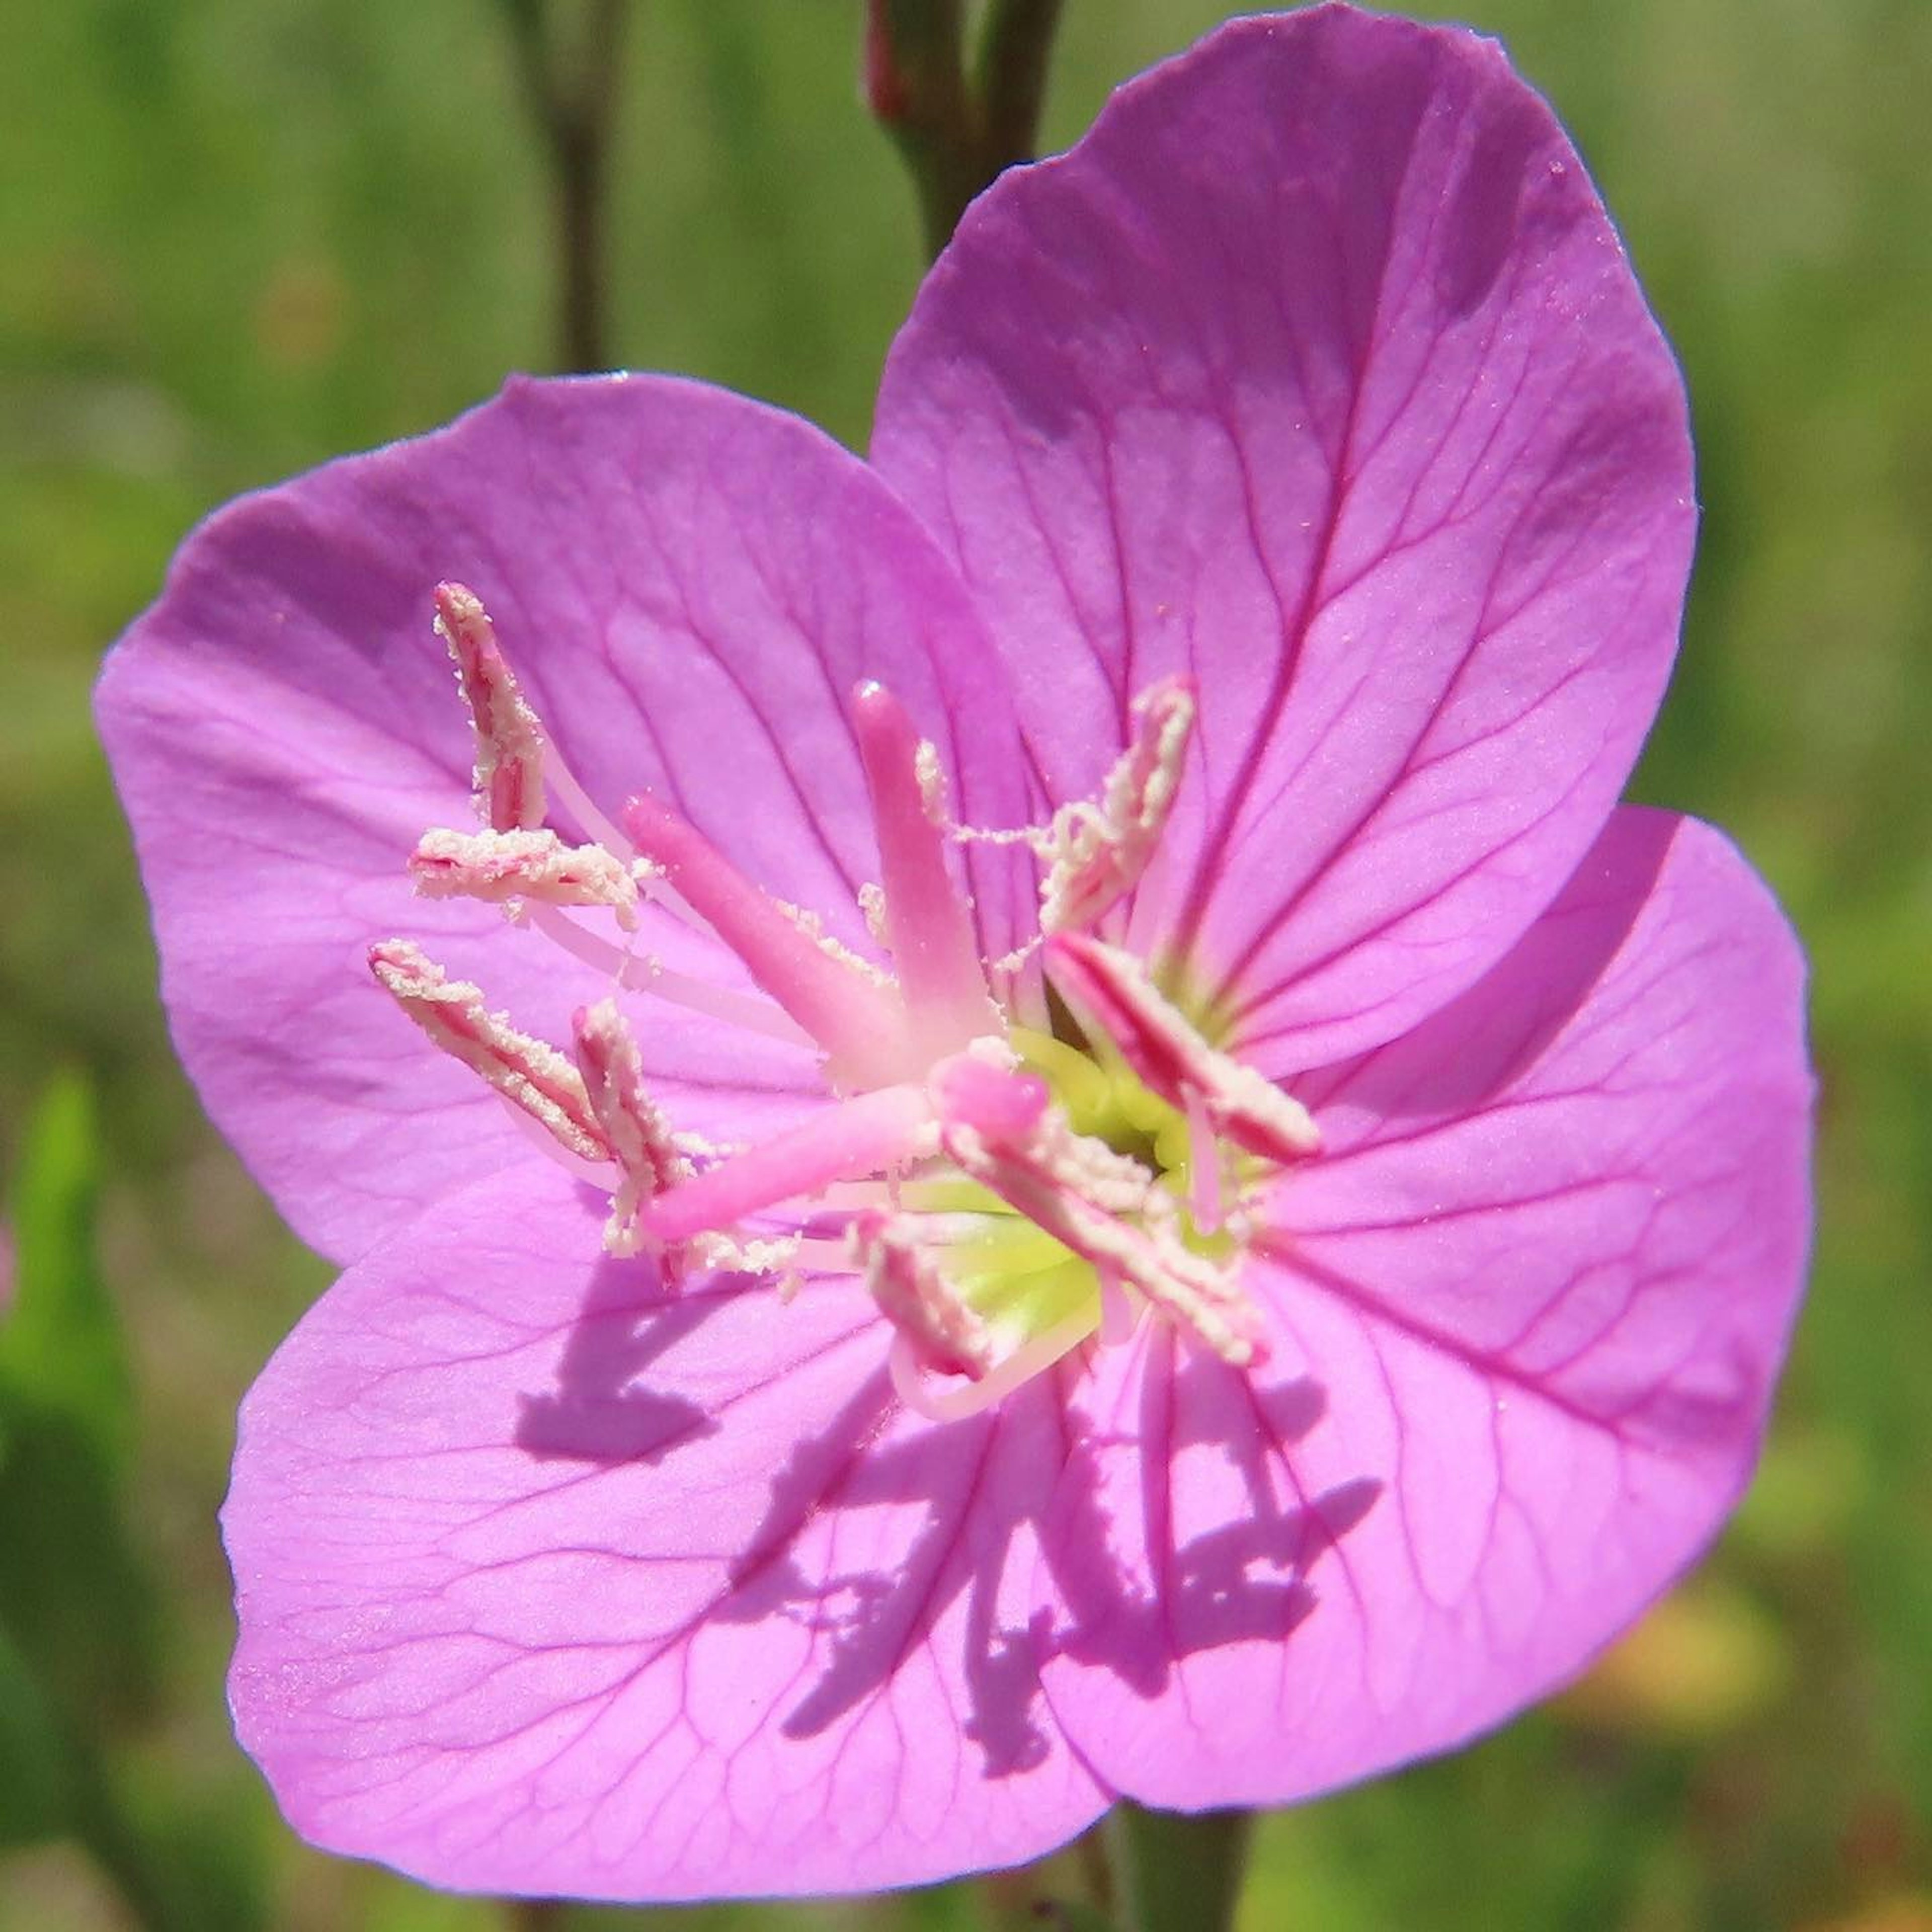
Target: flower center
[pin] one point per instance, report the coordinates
(1007, 1194)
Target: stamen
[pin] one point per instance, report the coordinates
(973, 1398)
(1013, 1113)
(590, 819)
(644, 973)
(1080, 1191)
(1119, 1311)
(536, 1076)
(926, 1057)
(1100, 850)
(861, 1026)
(515, 759)
(931, 936)
(938, 1324)
(1204, 1166)
(821, 1252)
(509, 741)
(1161, 1045)
(649, 1160)
(505, 867)
(888, 1128)
(593, 1173)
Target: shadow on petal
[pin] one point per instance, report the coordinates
(1480, 234)
(876, 1529)
(599, 1412)
(898, 1546)
(1154, 1569)
(1462, 1058)
(966, 1491)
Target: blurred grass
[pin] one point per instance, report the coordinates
(239, 236)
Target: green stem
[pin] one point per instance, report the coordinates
(916, 87)
(1174, 1872)
(1014, 50)
(573, 98)
(957, 132)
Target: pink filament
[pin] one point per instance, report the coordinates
(951, 1402)
(870, 1135)
(931, 938)
(860, 1026)
(1000, 1105)
(1119, 1312)
(643, 974)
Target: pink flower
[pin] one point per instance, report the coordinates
(1122, 1173)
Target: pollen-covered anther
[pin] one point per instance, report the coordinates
(753, 1254)
(533, 1075)
(648, 1156)
(1097, 850)
(1003, 1130)
(507, 867)
(939, 1327)
(510, 741)
(1112, 989)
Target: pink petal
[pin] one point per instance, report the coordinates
(1316, 372)
(688, 585)
(549, 1582)
(1530, 1302)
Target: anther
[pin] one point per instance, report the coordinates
(533, 1076)
(509, 741)
(648, 1159)
(939, 1325)
(505, 867)
(1099, 1204)
(1160, 1044)
(1100, 849)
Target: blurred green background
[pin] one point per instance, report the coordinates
(239, 236)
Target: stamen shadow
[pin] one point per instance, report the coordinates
(1244, 1580)
(599, 1411)
(1253, 1577)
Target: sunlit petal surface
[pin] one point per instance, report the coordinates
(1120, 1175)
(1532, 1300)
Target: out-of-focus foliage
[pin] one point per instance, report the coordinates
(239, 236)
(74, 1597)
(80, 1635)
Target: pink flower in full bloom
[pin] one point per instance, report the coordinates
(1047, 1137)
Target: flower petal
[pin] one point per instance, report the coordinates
(1530, 1304)
(1316, 371)
(551, 1581)
(687, 583)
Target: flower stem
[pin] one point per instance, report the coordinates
(573, 96)
(534, 1915)
(957, 128)
(1015, 45)
(1175, 1872)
